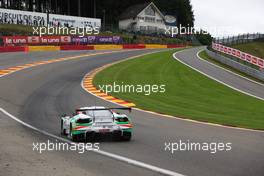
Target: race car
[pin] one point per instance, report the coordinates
(89, 122)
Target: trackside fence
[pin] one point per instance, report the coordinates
(258, 74)
(239, 55)
(240, 39)
(244, 62)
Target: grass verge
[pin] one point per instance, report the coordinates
(188, 94)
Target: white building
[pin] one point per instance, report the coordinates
(144, 18)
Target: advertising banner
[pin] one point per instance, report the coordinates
(239, 54)
(97, 40)
(34, 40)
(40, 19)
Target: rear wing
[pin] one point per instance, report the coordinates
(101, 109)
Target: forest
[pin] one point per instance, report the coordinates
(182, 9)
(110, 9)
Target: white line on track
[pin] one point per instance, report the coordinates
(217, 80)
(227, 69)
(101, 152)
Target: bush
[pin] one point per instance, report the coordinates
(13, 29)
(204, 39)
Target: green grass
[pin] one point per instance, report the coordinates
(254, 48)
(205, 56)
(14, 29)
(188, 93)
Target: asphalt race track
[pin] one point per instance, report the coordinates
(40, 94)
(190, 58)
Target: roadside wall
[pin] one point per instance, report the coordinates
(259, 74)
(83, 47)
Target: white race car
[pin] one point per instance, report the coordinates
(89, 122)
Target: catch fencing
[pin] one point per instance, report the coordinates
(259, 74)
(240, 39)
(240, 55)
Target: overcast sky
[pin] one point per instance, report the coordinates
(230, 16)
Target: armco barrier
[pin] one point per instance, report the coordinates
(241, 67)
(76, 47)
(13, 49)
(43, 48)
(134, 46)
(108, 47)
(259, 62)
(155, 46)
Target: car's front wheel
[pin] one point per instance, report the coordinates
(74, 138)
(117, 135)
(127, 136)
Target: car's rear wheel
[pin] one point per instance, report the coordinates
(89, 136)
(117, 135)
(74, 138)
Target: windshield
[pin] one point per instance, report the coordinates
(100, 113)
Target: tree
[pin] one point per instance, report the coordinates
(180, 8)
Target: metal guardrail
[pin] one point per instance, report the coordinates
(239, 39)
(259, 74)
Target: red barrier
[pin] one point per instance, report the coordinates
(76, 47)
(176, 46)
(239, 54)
(13, 49)
(134, 46)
